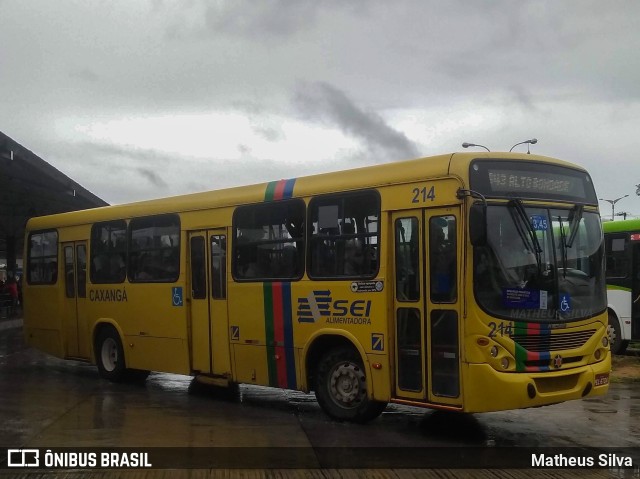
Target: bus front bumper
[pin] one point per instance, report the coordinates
(489, 390)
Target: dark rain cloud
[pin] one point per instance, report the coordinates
(327, 104)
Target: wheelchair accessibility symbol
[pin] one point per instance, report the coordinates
(176, 296)
(565, 303)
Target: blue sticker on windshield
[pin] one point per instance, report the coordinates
(524, 298)
(565, 303)
(539, 223)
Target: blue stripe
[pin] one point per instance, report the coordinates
(288, 188)
(288, 335)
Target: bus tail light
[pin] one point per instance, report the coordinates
(376, 366)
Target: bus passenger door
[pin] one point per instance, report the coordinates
(409, 303)
(208, 298)
(426, 306)
(443, 331)
(75, 325)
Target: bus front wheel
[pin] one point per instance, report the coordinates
(110, 355)
(341, 387)
(618, 346)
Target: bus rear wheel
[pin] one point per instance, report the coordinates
(110, 355)
(341, 387)
(618, 346)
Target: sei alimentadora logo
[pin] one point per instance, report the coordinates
(319, 306)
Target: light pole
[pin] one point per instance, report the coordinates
(467, 145)
(532, 141)
(613, 205)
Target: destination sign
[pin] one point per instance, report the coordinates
(531, 180)
(508, 180)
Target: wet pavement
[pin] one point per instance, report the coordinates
(47, 402)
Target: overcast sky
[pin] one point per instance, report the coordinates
(144, 99)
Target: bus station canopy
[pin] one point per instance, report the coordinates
(29, 186)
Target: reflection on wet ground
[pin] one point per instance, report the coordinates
(49, 402)
(44, 395)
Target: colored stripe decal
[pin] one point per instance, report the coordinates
(278, 330)
(279, 335)
(288, 334)
(279, 190)
(522, 355)
(269, 336)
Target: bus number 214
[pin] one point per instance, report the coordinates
(421, 195)
(500, 329)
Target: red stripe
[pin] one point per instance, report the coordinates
(279, 192)
(278, 334)
(532, 356)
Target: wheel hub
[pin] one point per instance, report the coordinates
(347, 385)
(109, 354)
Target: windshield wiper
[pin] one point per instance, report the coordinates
(575, 216)
(525, 230)
(563, 246)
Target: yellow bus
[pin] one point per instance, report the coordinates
(466, 282)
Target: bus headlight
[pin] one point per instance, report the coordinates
(494, 351)
(605, 340)
(504, 362)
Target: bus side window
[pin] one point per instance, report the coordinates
(443, 261)
(617, 257)
(154, 254)
(108, 252)
(42, 257)
(269, 241)
(344, 234)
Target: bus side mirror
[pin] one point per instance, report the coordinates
(478, 224)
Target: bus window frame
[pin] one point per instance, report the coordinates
(177, 247)
(626, 236)
(300, 242)
(375, 194)
(29, 257)
(93, 253)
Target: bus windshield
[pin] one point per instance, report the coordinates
(540, 264)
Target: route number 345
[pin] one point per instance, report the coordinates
(424, 194)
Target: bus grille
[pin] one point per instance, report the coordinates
(553, 342)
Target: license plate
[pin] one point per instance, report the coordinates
(602, 379)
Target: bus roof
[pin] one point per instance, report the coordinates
(621, 226)
(456, 164)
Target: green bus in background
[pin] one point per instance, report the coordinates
(622, 246)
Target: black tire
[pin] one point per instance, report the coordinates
(341, 387)
(618, 346)
(110, 355)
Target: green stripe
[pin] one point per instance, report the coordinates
(624, 226)
(271, 191)
(269, 334)
(618, 288)
(519, 353)
(521, 357)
